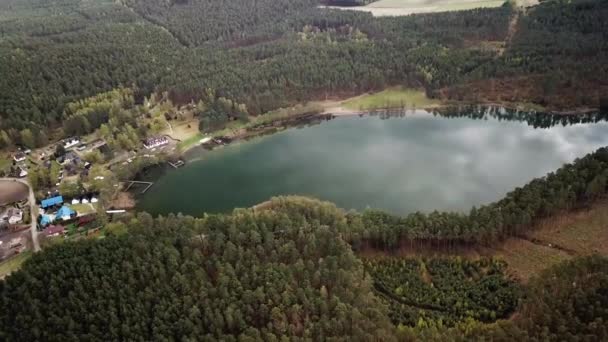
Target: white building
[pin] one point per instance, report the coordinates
(19, 157)
(70, 142)
(22, 172)
(13, 215)
(154, 142)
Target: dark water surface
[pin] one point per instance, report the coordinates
(417, 163)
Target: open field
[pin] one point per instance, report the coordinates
(395, 97)
(83, 209)
(13, 263)
(385, 8)
(584, 232)
(182, 130)
(526, 259)
(5, 161)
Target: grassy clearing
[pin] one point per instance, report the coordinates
(83, 209)
(405, 7)
(571, 234)
(13, 264)
(583, 232)
(395, 97)
(580, 233)
(5, 161)
(181, 130)
(526, 259)
(190, 141)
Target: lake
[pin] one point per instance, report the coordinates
(419, 162)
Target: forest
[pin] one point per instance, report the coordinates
(283, 272)
(265, 55)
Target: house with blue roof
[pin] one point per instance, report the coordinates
(49, 202)
(45, 220)
(65, 213)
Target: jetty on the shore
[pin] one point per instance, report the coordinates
(177, 164)
(149, 184)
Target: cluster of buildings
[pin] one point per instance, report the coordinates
(20, 164)
(56, 214)
(55, 209)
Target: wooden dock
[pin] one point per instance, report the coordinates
(138, 182)
(177, 164)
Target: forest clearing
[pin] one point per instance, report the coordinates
(553, 240)
(384, 8)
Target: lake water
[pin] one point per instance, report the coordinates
(419, 162)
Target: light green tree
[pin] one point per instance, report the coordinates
(27, 138)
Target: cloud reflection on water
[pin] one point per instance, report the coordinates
(420, 162)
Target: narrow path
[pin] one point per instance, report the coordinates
(387, 294)
(542, 243)
(155, 23)
(513, 23)
(32, 203)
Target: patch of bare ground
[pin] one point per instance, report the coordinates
(583, 232)
(526, 258)
(123, 200)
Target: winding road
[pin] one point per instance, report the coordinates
(32, 203)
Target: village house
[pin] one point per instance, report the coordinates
(54, 230)
(13, 215)
(19, 157)
(154, 142)
(22, 172)
(68, 157)
(70, 142)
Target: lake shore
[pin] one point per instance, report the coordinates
(329, 109)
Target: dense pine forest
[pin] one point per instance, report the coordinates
(265, 55)
(295, 268)
(283, 272)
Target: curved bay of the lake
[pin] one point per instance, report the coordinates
(417, 163)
